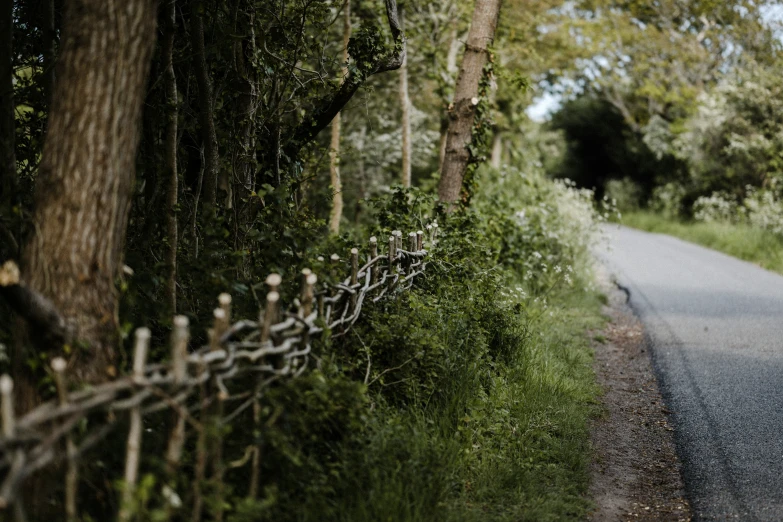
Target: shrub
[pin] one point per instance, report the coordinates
(624, 193)
(717, 208)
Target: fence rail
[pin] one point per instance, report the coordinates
(276, 346)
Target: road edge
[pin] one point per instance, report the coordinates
(635, 473)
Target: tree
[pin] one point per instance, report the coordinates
(405, 106)
(463, 110)
(169, 15)
(86, 177)
(206, 107)
(336, 213)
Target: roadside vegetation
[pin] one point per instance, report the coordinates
(700, 160)
(468, 399)
(258, 137)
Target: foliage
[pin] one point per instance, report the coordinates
(624, 193)
(667, 200)
(467, 399)
(477, 388)
(715, 208)
(734, 139)
(601, 146)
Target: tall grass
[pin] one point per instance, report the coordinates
(513, 448)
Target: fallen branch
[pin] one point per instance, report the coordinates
(39, 312)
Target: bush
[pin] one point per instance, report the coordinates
(668, 200)
(764, 210)
(471, 393)
(624, 193)
(717, 208)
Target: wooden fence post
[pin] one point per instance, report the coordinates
(270, 312)
(308, 283)
(9, 429)
(412, 241)
(72, 467)
(392, 253)
(273, 281)
(222, 320)
(180, 336)
(354, 275)
(419, 241)
(133, 452)
(306, 297)
(373, 255)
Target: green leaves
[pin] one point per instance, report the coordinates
(367, 49)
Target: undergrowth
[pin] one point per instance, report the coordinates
(471, 395)
(467, 398)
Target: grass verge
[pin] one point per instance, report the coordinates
(741, 241)
(504, 437)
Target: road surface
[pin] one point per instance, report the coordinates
(715, 326)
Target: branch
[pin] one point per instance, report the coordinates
(39, 312)
(330, 106)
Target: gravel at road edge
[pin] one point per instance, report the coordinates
(635, 473)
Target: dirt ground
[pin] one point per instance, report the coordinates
(635, 472)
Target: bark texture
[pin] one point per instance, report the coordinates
(451, 70)
(87, 172)
(7, 122)
(336, 213)
(206, 107)
(170, 153)
(463, 110)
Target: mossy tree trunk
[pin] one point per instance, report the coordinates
(463, 110)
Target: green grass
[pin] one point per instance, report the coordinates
(744, 242)
(504, 437)
(520, 451)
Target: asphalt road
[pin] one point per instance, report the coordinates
(715, 326)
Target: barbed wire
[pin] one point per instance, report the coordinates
(276, 346)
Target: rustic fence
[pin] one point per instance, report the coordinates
(195, 386)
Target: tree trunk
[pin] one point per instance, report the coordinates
(361, 174)
(7, 120)
(206, 107)
(405, 104)
(463, 110)
(247, 102)
(170, 154)
(497, 151)
(87, 171)
(451, 69)
(334, 154)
